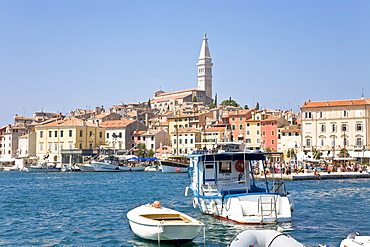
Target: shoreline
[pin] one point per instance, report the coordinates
(317, 176)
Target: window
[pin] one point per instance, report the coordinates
(174, 141)
(151, 146)
(322, 142)
(61, 146)
(248, 140)
(90, 134)
(272, 123)
(225, 167)
(321, 114)
(358, 126)
(61, 133)
(138, 138)
(308, 115)
(308, 142)
(91, 145)
(263, 133)
(70, 145)
(248, 124)
(241, 118)
(322, 128)
(191, 141)
(240, 127)
(70, 133)
(41, 134)
(100, 134)
(41, 146)
(258, 124)
(108, 136)
(258, 118)
(258, 132)
(55, 133)
(180, 142)
(358, 141)
(80, 145)
(272, 142)
(55, 146)
(81, 132)
(345, 113)
(344, 127)
(272, 132)
(333, 127)
(248, 132)
(233, 127)
(152, 138)
(49, 146)
(186, 141)
(50, 133)
(233, 119)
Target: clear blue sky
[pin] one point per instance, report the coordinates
(62, 55)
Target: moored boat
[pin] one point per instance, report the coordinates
(263, 238)
(154, 222)
(175, 163)
(44, 167)
(86, 167)
(224, 186)
(355, 240)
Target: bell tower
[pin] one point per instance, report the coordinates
(205, 68)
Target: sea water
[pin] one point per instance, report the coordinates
(89, 209)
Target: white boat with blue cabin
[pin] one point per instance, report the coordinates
(224, 186)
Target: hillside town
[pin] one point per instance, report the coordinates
(181, 122)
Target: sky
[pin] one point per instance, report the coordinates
(63, 55)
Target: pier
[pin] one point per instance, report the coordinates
(318, 176)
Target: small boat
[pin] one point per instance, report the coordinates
(113, 164)
(355, 240)
(175, 163)
(263, 238)
(224, 186)
(157, 223)
(44, 167)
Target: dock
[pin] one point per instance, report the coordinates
(318, 176)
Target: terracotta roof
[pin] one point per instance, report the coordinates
(116, 123)
(215, 129)
(179, 91)
(309, 104)
(186, 130)
(70, 121)
(169, 97)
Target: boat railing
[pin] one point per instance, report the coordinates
(209, 190)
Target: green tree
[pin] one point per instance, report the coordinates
(194, 98)
(151, 153)
(268, 150)
(149, 104)
(316, 154)
(257, 106)
(246, 107)
(343, 153)
(141, 152)
(230, 102)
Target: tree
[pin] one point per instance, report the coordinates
(246, 107)
(257, 106)
(230, 102)
(214, 104)
(141, 152)
(151, 153)
(194, 98)
(290, 153)
(316, 154)
(149, 104)
(343, 153)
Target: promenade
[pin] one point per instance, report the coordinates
(318, 176)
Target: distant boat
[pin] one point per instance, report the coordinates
(157, 223)
(44, 167)
(175, 163)
(112, 164)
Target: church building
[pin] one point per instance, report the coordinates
(203, 93)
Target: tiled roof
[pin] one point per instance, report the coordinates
(179, 91)
(309, 104)
(116, 123)
(215, 129)
(70, 121)
(170, 97)
(186, 130)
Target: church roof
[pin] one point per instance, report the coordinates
(204, 51)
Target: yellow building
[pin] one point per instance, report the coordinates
(67, 134)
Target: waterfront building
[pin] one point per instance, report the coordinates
(185, 140)
(336, 127)
(270, 131)
(9, 142)
(211, 136)
(237, 120)
(290, 142)
(152, 138)
(57, 137)
(167, 101)
(253, 131)
(119, 133)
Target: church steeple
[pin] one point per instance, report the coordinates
(205, 68)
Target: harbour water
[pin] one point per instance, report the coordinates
(89, 209)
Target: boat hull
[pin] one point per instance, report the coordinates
(43, 169)
(163, 224)
(249, 209)
(86, 168)
(168, 166)
(105, 167)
